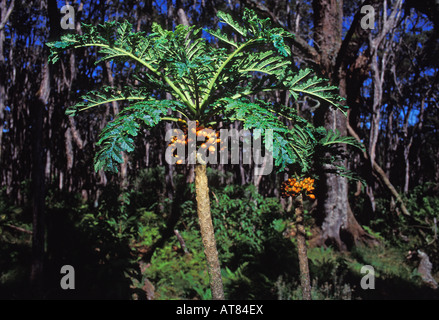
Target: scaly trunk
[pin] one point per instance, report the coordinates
(207, 231)
(302, 251)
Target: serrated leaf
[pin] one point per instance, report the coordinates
(227, 18)
(223, 37)
(334, 137)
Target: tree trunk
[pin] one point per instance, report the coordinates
(332, 204)
(407, 144)
(334, 57)
(5, 13)
(38, 168)
(169, 169)
(382, 175)
(302, 251)
(357, 232)
(207, 231)
(37, 190)
(333, 191)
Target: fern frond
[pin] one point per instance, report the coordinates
(223, 37)
(290, 146)
(117, 42)
(118, 135)
(314, 87)
(329, 137)
(344, 172)
(264, 62)
(106, 95)
(227, 18)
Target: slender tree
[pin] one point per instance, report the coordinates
(208, 85)
(5, 13)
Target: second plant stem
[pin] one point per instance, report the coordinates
(301, 248)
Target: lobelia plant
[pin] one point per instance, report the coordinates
(208, 85)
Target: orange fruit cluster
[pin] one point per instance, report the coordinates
(292, 187)
(211, 137)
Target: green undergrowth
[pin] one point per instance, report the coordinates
(125, 247)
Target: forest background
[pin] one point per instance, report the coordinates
(134, 234)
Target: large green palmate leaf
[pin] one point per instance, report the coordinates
(206, 83)
(289, 146)
(118, 135)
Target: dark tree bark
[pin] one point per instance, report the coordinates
(5, 12)
(333, 201)
(37, 190)
(38, 165)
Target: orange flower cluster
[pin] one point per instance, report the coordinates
(211, 137)
(293, 187)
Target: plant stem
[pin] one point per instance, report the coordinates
(301, 247)
(220, 70)
(207, 232)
